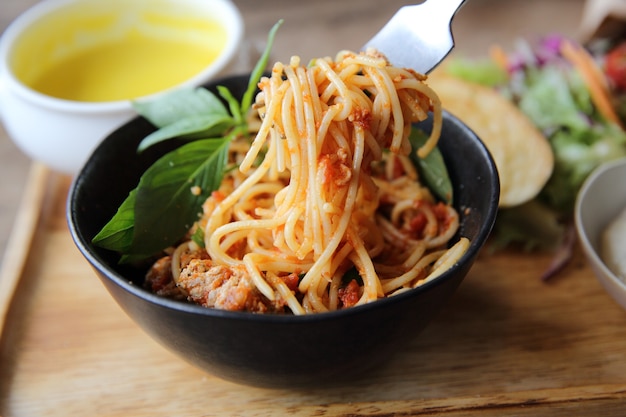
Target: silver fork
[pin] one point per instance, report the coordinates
(418, 36)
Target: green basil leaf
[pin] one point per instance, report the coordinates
(192, 127)
(166, 204)
(233, 104)
(133, 259)
(198, 237)
(432, 168)
(258, 70)
(117, 234)
(179, 104)
(351, 274)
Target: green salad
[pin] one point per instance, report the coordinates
(574, 95)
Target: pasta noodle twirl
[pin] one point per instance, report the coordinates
(325, 210)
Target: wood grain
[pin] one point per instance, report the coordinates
(20, 241)
(508, 343)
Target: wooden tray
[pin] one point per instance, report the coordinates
(507, 344)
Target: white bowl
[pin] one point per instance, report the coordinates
(63, 133)
(600, 200)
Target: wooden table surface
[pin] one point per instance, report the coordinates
(507, 344)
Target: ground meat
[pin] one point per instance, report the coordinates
(349, 295)
(159, 279)
(223, 287)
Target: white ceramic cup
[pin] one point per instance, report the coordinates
(63, 133)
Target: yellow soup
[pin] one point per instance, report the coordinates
(99, 59)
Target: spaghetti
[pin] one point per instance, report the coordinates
(319, 216)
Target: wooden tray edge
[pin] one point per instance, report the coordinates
(21, 238)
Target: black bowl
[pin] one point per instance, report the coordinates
(276, 350)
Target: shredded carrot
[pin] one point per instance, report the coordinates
(593, 77)
(498, 55)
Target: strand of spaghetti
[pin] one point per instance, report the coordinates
(417, 85)
(241, 225)
(290, 230)
(249, 260)
(399, 208)
(360, 99)
(298, 174)
(390, 285)
(286, 123)
(314, 208)
(410, 172)
(276, 134)
(315, 302)
(326, 124)
(401, 259)
(257, 242)
(403, 188)
(364, 264)
(406, 147)
(324, 286)
(262, 212)
(337, 86)
(344, 220)
(395, 264)
(250, 203)
(281, 156)
(394, 236)
(373, 145)
(333, 292)
(362, 81)
(339, 136)
(381, 109)
(332, 210)
(375, 243)
(287, 198)
(307, 305)
(348, 68)
(216, 232)
(232, 239)
(385, 86)
(449, 258)
(320, 288)
(318, 106)
(293, 80)
(451, 227)
(431, 229)
(286, 294)
(262, 188)
(413, 104)
(390, 170)
(279, 240)
(266, 125)
(217, 217)
(341, 256)
(371, 196)
(263, 245)
(323, 116)
(417, 251)
(370, 60)
(176, 255)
